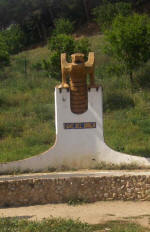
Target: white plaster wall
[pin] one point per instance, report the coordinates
(76, 148)
(79, 140)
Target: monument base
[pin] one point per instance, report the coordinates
(79, 139)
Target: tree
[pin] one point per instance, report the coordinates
(14, 39)
(107, 11)
(86, 9)
(129, 41)
(63, 43)
(63, 26)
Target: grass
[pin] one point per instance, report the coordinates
(27, 106)
(61, 225)
(126, 108)
(123, 166)
(75, 202)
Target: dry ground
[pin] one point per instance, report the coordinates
(93, 213)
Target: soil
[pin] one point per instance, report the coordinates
(99, 212)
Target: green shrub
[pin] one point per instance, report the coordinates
(107, 11)
(82, 46)
(13, 37)
(128, 41)
(63, 43)
(142, 77)
(4, 54)
(52, 65)
(63, 26)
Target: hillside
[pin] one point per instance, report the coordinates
(27, 106)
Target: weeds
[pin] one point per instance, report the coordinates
(62, 225)
(123, 166)
(75, 202)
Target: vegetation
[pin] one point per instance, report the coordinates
(128, 41)
(126, 113)
(107, 11)
(37, 18)
(63, 42)
(4, 54)
(14, 39)
(63, 26)
(61, 225)
(26, 107)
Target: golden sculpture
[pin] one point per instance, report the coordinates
(77, 71)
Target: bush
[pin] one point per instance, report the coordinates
(52, 65)
(63, 26)
(4, 54)
(63, 43)
(105, 13)
(82, 46)
(143, 77)
(14, 38)
(128, 41)
(58, 44)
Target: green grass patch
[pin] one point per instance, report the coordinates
(26, 108)
(62, 225)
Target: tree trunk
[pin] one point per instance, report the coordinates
(86, 10)
(131, 77)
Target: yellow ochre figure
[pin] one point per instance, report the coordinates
(77, 71)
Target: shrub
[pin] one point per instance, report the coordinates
(52, 65)
(58, 44)
(82, 46)
(143, 77)
(14, 38)
(63, 26)
(128, 41)
(4, 54)
(63, 43)
(106, 12)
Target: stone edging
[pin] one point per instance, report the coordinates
(51, 189)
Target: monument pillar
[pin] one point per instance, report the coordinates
(78, 107)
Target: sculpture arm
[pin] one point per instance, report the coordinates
(65, 69)
(90, 68)
(91, 60)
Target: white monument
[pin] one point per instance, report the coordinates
(79, 124)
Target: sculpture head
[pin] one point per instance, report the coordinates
(77, 58)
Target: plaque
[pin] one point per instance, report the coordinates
(80, 125)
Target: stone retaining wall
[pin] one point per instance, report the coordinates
(88, 189)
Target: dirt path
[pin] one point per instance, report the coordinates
(98, 212)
